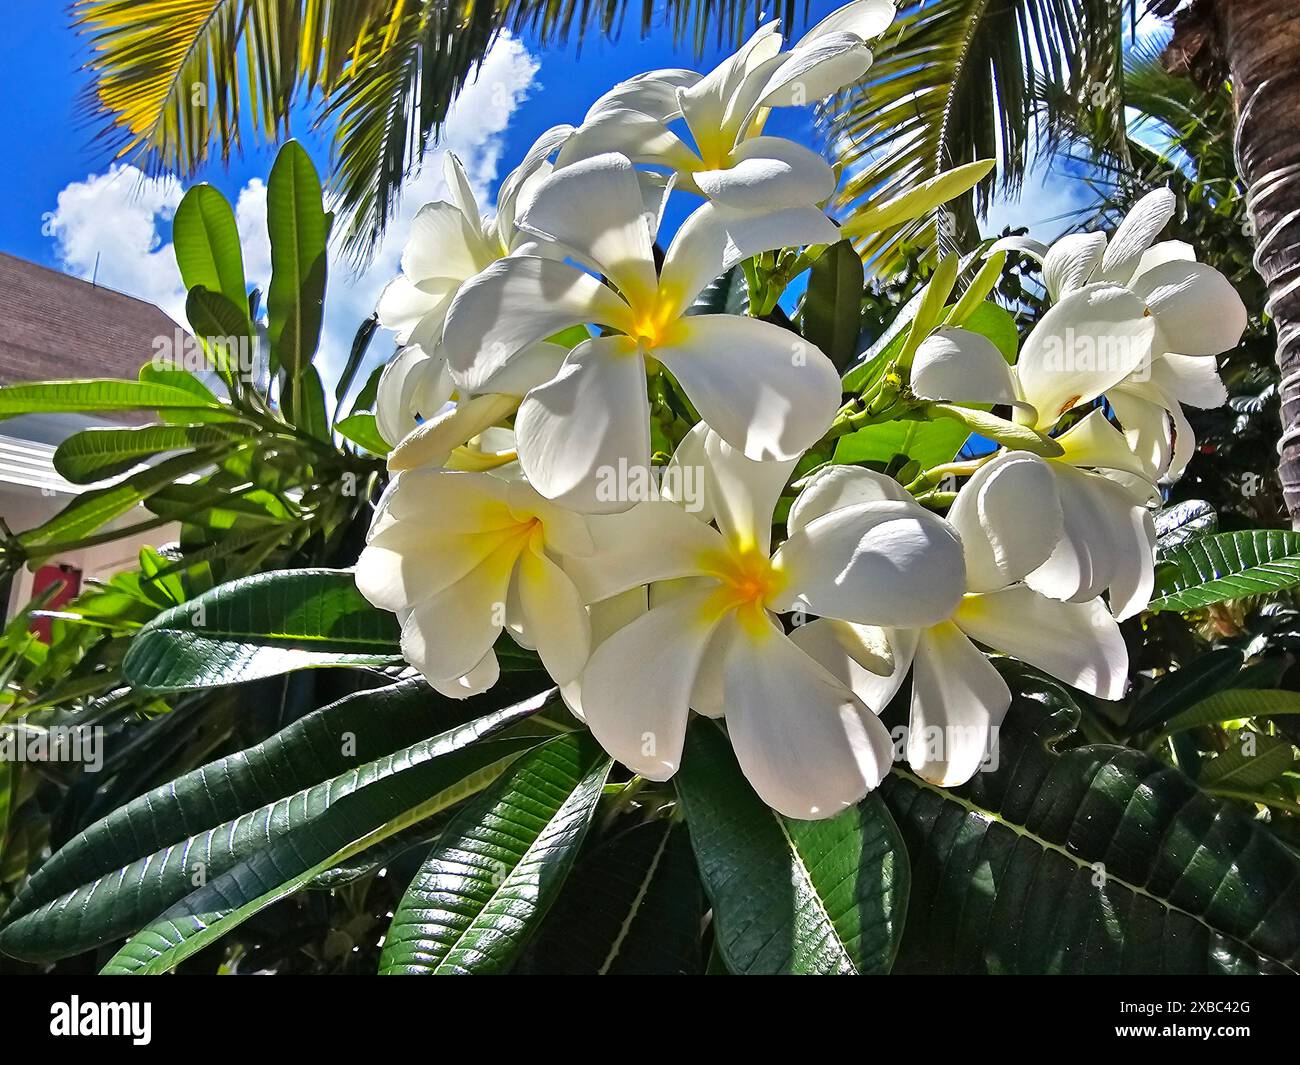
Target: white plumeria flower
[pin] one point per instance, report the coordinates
(958, 698)
(450, 242)
(764, 390)
(710, 640)
(1103, 487)
(461, 556)
(1101, 289)
(732, 163)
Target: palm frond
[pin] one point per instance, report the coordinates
(954, 81)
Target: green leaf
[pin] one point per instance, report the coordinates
(930, 310)
(97, 454)
(206, 240)
(299, 230)
(1214, 569)
(148, 855)
(1235, 704)
(832, 308)
(306, 398)
(1249, 765)
(91, 510)
(1179, 689)
(383, 808)
(97, 395)
(811, 897)
(361, 429)
(927, 443)
(360, 345)
(1185, 521)
(262, 626)
(499, 865)
(996, 324)
(223, 329)
(1096, 860)
(725, 294)
(632, 907)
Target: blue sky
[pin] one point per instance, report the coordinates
(68, 206)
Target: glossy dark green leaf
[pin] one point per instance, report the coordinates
(632, 907)
(801, 897)
(1180, 522)
(1176, 691)
(499, 865)
(96, 454)
(1098, 859)
(725, 294)
(1235, 704)
(832, 308)
(373, 813)
(360, 345)
(148, 855)
(206, 240)
(299, 230)
(261, 626)
(1212, 569)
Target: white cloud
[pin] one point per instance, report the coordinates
(117, 215)
(113, 218)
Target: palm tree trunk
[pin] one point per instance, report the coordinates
(1261, 41)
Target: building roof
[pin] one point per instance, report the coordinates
(54, 326)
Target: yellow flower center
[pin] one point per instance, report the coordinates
(747, 582)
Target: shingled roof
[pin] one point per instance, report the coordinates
(54, 326)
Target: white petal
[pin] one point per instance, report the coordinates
(807, 744)
(450, 502)
(866, 19)
(707, 104)
(659, 652)
(890, 564)
(708, 693)
(744, 493)
(852, 653)
(833, 487)
(641, 137)
(432, 442)
(446, 636)
(651, 542)
(1009, 519)
(1144, 415)
(958, 699)
(1167, 251)
(606, 618)
(394, 571)
(1196, 307)
(413, 385)
(516, 302)
(815, 69)
(684, 480)
(555, 620)
(533, 366)
(760, 387)
(1100, 543)
(956, 364)
(1136, 234)
(443, 244)
(1094, 442)
(475, 682)
(1087, 343)
(458, 186)
(403, 306)
(594, 207)
(1071, 263)
(653, 93)
(1079, 643)
(585, 434)
(768, 173)
(1190, 379)
(1035, 249)
(517, 186)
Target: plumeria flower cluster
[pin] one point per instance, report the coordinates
(647, 495)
